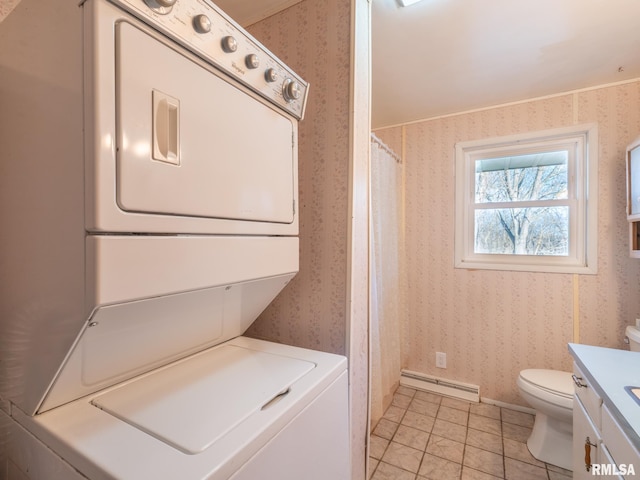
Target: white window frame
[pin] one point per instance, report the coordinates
(582, 201)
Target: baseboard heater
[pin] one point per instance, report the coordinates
(428, 383)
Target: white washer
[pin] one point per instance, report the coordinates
(153, 149)
(246, 410)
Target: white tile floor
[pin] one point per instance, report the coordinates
(424, 436)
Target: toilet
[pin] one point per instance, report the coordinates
(550, 393)
(632, 337)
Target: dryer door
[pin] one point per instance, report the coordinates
(191, 144)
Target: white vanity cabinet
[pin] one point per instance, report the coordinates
(619, 446)
(586, 437)
(589, 448)
(605, 422)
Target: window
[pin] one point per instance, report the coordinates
(528, 202)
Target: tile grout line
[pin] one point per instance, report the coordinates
(411, 396)
(405, 410)
(466, 437)
(504, 450)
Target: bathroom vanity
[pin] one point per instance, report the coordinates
(606, 413)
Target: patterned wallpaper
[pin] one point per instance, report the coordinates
(6, 6)
(325, 306)
(312, 37)
(492, 324)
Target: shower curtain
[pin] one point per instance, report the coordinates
(386, 276)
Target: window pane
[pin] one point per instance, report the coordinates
(522, 231)
(542, 176)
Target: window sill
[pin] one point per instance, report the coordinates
(527, 267)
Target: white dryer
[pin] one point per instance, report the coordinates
(152, 173)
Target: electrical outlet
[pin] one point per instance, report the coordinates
(637, 322)
(441, 360)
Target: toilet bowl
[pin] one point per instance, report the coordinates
(550, 393)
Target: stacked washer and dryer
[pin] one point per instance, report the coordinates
(149, 215)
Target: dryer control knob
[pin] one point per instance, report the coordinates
(291, 90)
(271, 75)
(229, 44)
(162, 7)
(202, 23)
(252, 60)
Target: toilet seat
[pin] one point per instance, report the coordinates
(551, 385)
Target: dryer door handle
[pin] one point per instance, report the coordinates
(166, 128)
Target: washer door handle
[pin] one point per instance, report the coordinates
(276, 399)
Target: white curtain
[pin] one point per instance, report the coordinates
(386, 288)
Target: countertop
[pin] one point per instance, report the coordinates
(609, 370)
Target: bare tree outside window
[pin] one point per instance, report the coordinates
(527, 226)
(528, 201)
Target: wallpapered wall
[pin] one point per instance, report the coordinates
(325, 305)
(6, 6)
(492, 324)
(313, 38)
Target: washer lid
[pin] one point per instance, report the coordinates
(192, 404)
(553, 381)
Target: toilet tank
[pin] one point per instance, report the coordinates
(632, 334)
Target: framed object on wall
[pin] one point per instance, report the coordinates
(633, 197)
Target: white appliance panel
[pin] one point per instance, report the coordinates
(249, 63)
(147, 331)
(101, 446)
(323, 455)
(191, 405)
(122, 268)
(201, 147)
(105, 140)
(139, 311)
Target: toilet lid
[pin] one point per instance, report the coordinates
(551, 380)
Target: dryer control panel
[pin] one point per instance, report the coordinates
(207, 31)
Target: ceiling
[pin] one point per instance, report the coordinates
(439, 57)
(444, 56)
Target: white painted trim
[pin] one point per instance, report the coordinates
(583, 258)
(357, 314)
